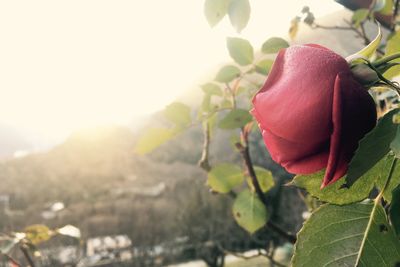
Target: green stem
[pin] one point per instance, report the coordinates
(377, 202)
(380, 76)
(386, 59)
(385, 67)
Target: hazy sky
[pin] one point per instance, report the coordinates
(71, 64)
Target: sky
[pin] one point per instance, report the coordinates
(65, 65)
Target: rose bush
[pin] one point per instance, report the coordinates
(312, 111)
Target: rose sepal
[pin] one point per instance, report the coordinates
(369, 75)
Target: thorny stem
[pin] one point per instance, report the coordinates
(244, 151)
(204, 164)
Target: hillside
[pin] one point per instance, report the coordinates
(108, 189)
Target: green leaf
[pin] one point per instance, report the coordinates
(240, 50)
(264, 178)
(393, 43)
(179, 114)
(372, 148)
(215, 10)
(388, 8)
(153, 138)
(394, 182)
(393, 47)
(212, 89)
(234, 139)
(353, 235)
(369, 50)
(338, 193)
(235, 119)
(206, 104)
(224, 177)
(273, 45)
(264, 66)
(249, 212)
(227, 74)
(359, 16)
(394, 210)
(209, 103)
(395, 144)
(226, 104)
(239, 14)
(37, 233)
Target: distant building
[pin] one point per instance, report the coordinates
(109, 249)
(52, 210)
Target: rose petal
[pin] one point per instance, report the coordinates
(334, 148)
(295, 103)
(283, 151)
(308, 165)
(353, 115)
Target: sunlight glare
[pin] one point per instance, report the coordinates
(71, 64)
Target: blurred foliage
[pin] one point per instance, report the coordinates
(249, 212)
(237, 10)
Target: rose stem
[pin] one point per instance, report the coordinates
(245, 152)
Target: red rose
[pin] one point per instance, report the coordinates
(312, 112)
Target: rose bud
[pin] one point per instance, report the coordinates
(312, 112)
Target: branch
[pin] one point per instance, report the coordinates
(364, 34)
(360, 33)
(27, 256)
(233, 94)
(203, 162)
(245, 152)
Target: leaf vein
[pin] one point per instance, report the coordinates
(340, 258)
(331, 224)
